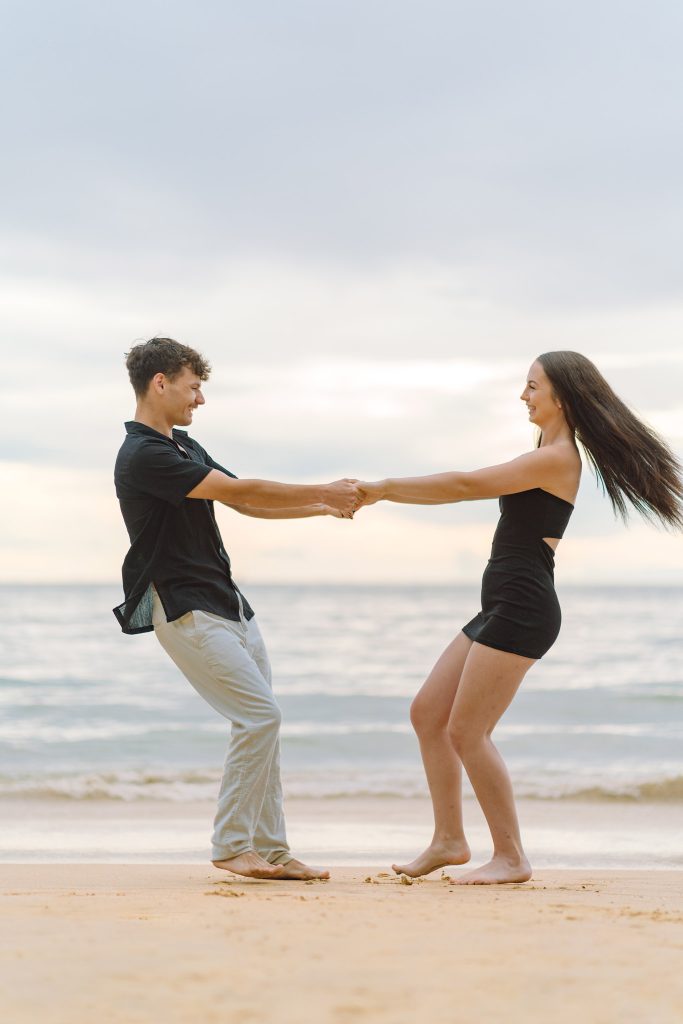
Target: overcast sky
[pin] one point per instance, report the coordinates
(371, 217)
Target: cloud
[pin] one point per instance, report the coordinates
(371, 217)
(60, 525)
(532, 148)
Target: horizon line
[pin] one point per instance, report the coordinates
(351, 583)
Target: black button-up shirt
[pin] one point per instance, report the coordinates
(175, 541)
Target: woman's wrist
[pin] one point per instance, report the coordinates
(373, 490)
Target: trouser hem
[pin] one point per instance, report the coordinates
(278, 857)
(228, 852)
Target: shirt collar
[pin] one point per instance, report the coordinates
(135, 427)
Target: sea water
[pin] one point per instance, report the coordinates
(88, 714)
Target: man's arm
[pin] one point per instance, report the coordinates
(342, 495)
(304, 512)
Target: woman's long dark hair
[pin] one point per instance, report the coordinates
(630, 460)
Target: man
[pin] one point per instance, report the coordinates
(177, 581)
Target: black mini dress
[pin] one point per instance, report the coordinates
(520, 612)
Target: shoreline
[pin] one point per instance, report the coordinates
(134, 944)
(344, 832)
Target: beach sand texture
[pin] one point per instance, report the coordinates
(177, 943)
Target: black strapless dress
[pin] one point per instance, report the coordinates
(520, 612)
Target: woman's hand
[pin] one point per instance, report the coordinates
(370, 492)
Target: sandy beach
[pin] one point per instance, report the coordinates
(181, 943)
(111, 911)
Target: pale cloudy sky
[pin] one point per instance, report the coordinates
(371, 216)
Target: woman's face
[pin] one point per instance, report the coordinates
(538, 395)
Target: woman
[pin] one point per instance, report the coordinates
(475, 679)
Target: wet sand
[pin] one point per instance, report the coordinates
(558, 834)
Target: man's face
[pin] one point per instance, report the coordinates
(182, 396)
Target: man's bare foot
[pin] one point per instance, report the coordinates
(497, 872)
(250, 865)
(437, 855)
(294, 869)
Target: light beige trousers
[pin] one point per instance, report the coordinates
(227, 664)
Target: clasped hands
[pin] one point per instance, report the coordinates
(344, 497)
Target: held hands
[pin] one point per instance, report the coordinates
(344, 497)
(370, 492)
(329, 510)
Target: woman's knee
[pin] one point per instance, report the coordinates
(424, 718)
(464, 736)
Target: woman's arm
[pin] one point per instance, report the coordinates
(544, 467)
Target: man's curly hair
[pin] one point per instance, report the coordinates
(162, 355)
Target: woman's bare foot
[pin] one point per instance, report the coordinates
(294, 869)
(498, 871)
(251, 865)
(439, 854)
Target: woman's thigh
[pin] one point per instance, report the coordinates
(435, 697)
(488, 682)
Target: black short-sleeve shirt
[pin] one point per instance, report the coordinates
(175, 542)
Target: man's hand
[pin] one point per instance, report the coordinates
(342, 495)
(328, 510)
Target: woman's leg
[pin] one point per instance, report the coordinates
(430, 714)
(488, 683)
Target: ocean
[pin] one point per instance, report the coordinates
(90, 716)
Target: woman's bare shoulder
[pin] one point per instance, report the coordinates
(566, 468)
(562, 451)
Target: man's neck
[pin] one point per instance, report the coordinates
(153, 419)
